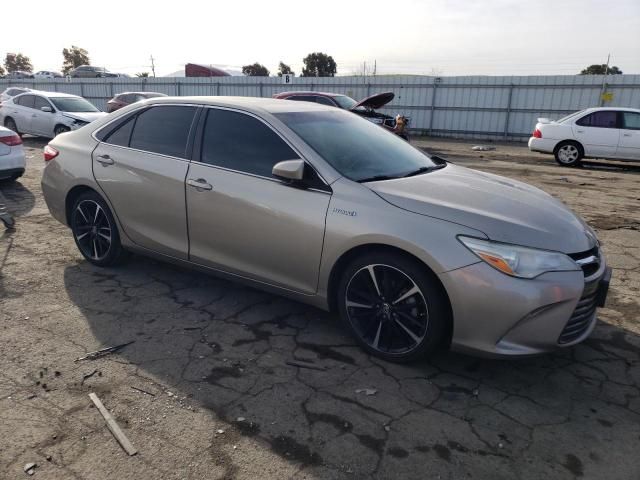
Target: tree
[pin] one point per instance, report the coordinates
(74, 57)
(255, 70)
(284, 69)
(143, 74)
(602, 69)
(319, 64)
(17, 61)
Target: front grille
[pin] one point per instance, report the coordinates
(589, 261)
(581, 318)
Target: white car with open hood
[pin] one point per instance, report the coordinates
(47, 114)
(605, 132)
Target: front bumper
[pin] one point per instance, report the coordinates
(496, 315)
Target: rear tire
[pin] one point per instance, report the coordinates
(95, 231)
(11, 125)
(402, 316)
(568, 153)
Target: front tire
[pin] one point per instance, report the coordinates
(95, 232)
(568, 154)
(394, 307)
(60, 129)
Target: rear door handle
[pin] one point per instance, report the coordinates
(626, 134)
(200, 184)
(105, 160)
(580, 131)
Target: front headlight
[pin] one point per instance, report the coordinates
(517, 261)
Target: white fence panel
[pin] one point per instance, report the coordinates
(467, 106)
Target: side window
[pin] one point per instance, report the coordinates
(325, 101)
(631, 121)
(40, 102)
(302, 98)
(241, 142)
(121, 135)
(163, 130)
(604, 119)
(26, 101)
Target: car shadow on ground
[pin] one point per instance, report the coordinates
(229, 348)
(16, 198)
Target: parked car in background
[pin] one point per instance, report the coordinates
(127, 98)
(47, 74)
(12, 157)
(318, 204)
(47, 114)
(365, 108)
(604, 132)
(89, 71)
(18, 75)
(12, 92)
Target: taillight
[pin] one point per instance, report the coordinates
(11, 140)
(537, 133)
(50, 153)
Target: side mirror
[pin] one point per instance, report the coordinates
(46, 109)
(289, 170)
(438, 160)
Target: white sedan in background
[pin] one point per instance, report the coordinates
(47, 114)
(47, 74)
(12, 158)
(609, 133)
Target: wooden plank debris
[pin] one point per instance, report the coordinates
(113, 426)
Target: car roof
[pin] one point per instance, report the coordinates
(141, 93)
(49, 94)
(255, 104)
(621, 109)
(311, 92)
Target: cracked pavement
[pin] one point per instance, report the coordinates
(206, 390)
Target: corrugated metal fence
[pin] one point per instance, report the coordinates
(472, 107)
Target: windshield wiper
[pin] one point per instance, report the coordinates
(424, 170)
(375, 178)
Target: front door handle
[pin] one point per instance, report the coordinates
(200, 184)
(626, 134)
(104, 160)
(580, 131)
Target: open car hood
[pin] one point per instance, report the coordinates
(378, 100)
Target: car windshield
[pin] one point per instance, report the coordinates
(355, 147)
(345, 102)
(71, 104)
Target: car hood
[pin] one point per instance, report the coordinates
(504, 210)
(378, 100)
(85, 116)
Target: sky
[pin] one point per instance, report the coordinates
(443, 37)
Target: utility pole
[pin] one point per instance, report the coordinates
(604, 80)
(153, 66)
(375, 67)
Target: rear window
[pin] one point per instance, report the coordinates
(121, 135)
(25, 100)
(605, 119)
(163, 130)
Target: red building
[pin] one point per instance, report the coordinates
(196, 70)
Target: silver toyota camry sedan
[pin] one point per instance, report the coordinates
(317, 204)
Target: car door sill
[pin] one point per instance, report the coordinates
(310, 298)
